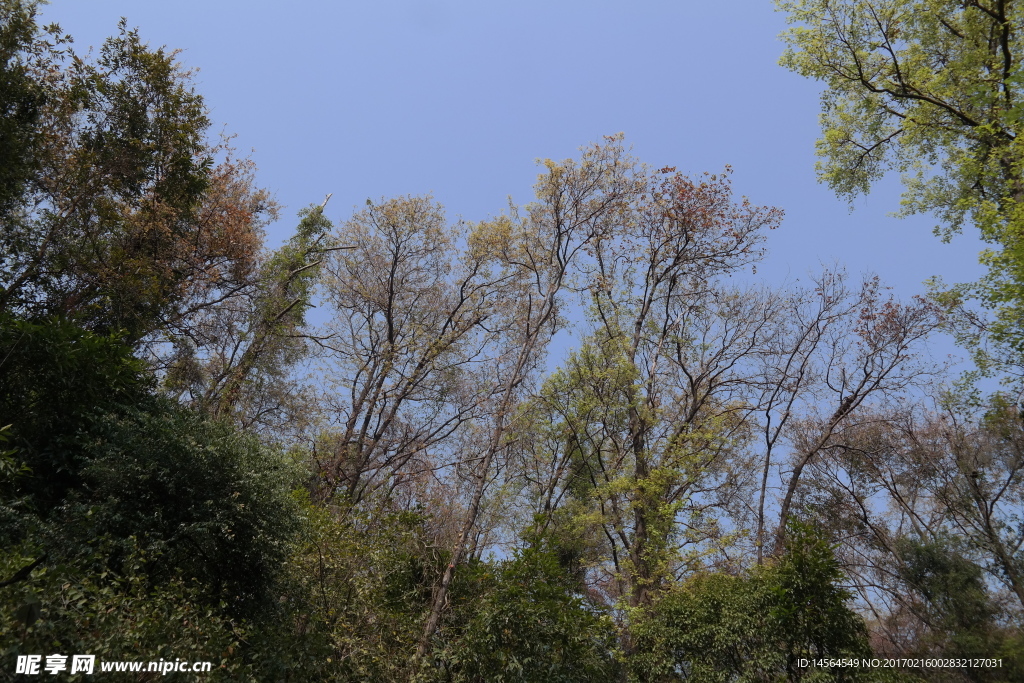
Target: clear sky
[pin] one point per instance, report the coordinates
(459, 97)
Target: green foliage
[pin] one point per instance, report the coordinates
(355, 591)
(21, 101)
(278, 306)
(629, 464)
(947, 592)
(56, 381)
(716, 627)
(526, 621)
(10, 467)
(710, 628)
(131, 524)
(953, 590)
(69, 608)
(106, 459)
(206, 503)
(811, 606)
(932, 89)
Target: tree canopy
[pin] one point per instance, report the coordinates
(930, 89)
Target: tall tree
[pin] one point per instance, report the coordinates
(235, 356)
(873, 354)
(636, 448)
(114, 210)
(416, 332)
(579, 203)
(934, 477)
(931, 89)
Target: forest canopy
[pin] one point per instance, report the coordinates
(722, 480)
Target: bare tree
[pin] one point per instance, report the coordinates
(417, 326)
(932, 476)
(871, 355)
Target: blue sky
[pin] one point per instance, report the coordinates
(459, 97)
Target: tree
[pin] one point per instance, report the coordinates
(233, 358)
(108, 460)
(114, 210)
(929, 88)
(71, 608)
(872, 354)
(934, 476)
(406, 358)
(927, 503)
(526, 621)
(355, 592)
(837, 348)
(133, 523)
(635, 448)
(21, 101)
(56, 381)
(578, 204)
(756, 627)
(953, 599)
(439, 329)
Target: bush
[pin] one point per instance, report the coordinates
(756, 627)
(526, 621)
